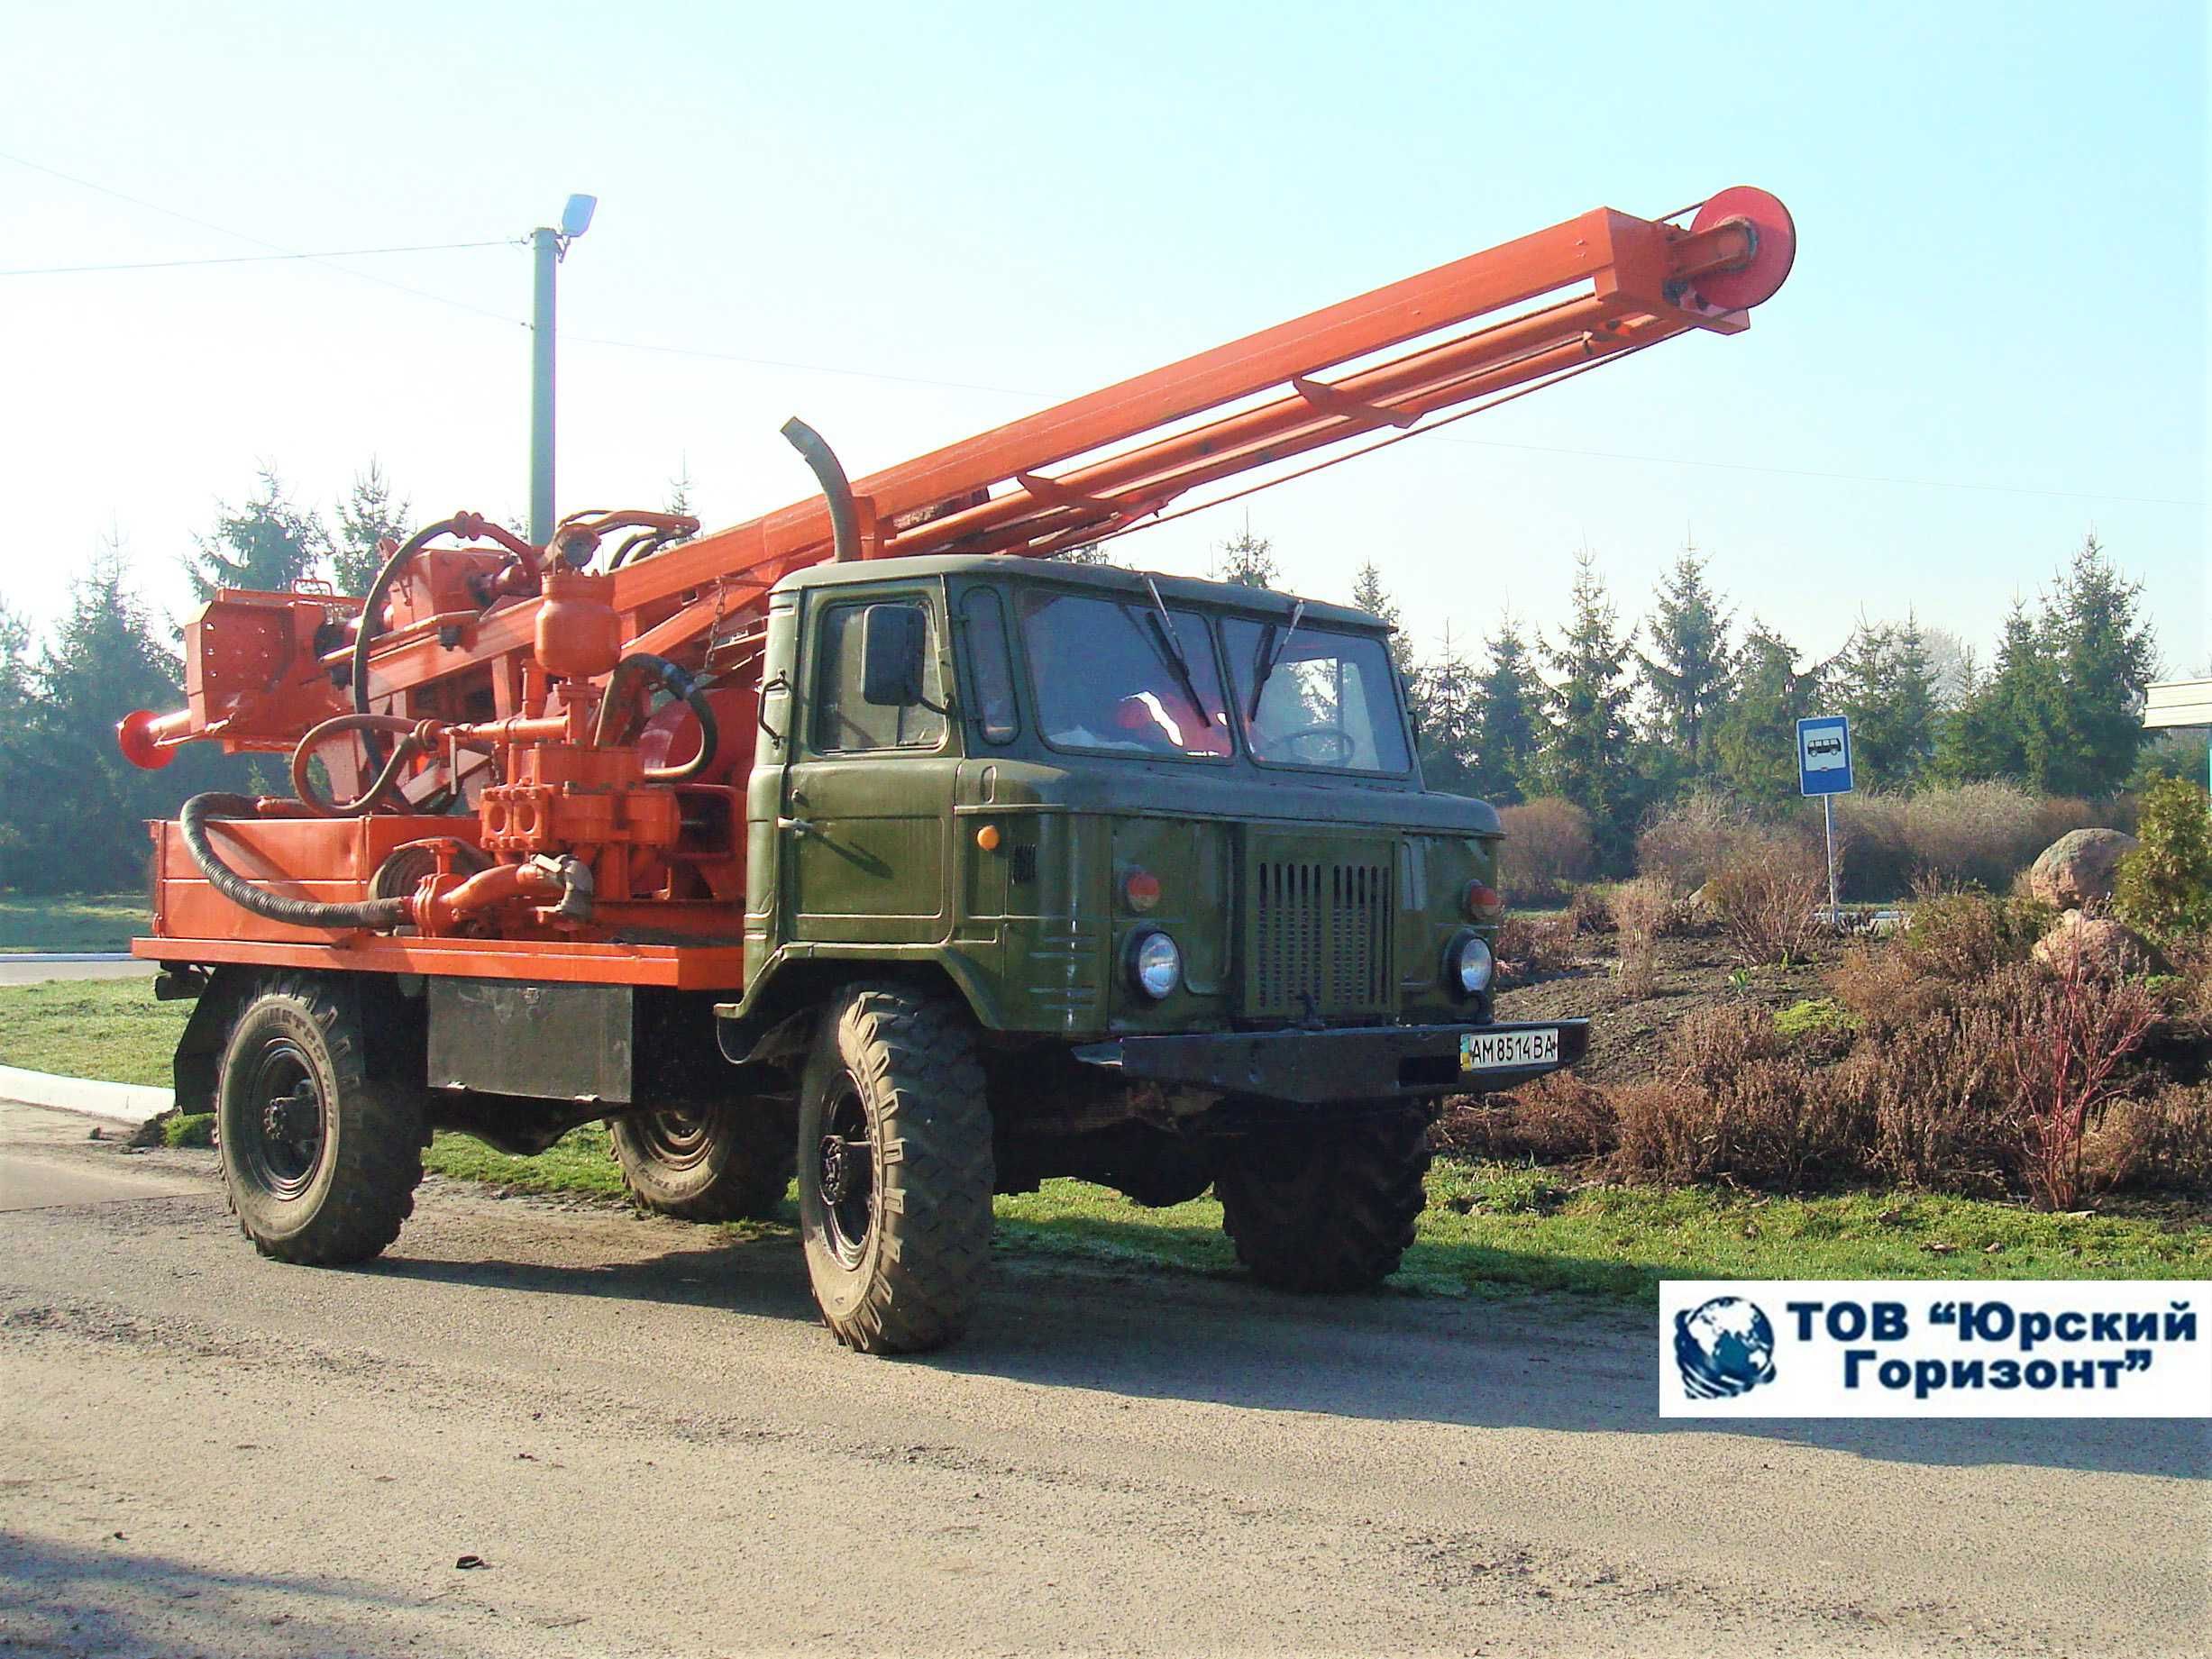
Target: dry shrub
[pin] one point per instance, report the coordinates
(1885, 989)
(1528, 948)
(2071, 1033)
(1733, 1099)
(1548, 847)
(1933, 1096)
(1555, 1119)
(1687, 842)
(1981, 832)
(1767, 897)
(2163, 1143)
(1590, 910)
(1962, 935)
(1874, 853)
(1643, 910)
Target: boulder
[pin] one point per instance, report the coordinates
(2077, 869)
(2105, 949)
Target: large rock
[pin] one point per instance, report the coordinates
(2104, 948)
(2077, 869)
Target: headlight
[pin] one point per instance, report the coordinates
(1467, 965)
(1156, 964)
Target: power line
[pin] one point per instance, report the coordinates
(258, 258)
(224, 230)
(1842, 477)
(280, 252)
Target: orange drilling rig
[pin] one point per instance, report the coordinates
(634, 826)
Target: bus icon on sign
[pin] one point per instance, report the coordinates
(1824, 755)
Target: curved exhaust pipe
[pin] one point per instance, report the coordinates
(844, 522)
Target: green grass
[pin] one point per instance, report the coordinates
(106, 922)
(1489, 1228)
(105, 1028)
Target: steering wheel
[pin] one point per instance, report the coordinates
(1346, 745)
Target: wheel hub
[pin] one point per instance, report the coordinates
(836, 1168)
(294, 1117)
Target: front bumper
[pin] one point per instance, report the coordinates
(1315, 1068)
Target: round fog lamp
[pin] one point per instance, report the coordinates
(1471, 966)
(1156, 965)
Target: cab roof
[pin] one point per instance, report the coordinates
(1106, 578)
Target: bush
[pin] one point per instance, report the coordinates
(1642, 910)
(1529, 947)
(1873, 851)
(1961, 935)
(1984, 834)
(2163, 1143)
(1932, 1094)
(1733, 1100)
(2165, 886)
(1688, 842)
(1548, 847)
(2068, 1035)
(1555, 1119)
(1767, 897)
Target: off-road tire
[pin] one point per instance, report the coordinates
(905, 1062)
(1326, 1209)
(347, 1200)
(729, 1162)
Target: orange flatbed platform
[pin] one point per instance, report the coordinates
(676, 967)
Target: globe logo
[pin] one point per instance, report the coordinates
(1724, 1347)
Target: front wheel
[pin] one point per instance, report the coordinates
(894, 1171)
(709, 1163)
(321, 1146)
(1328, 1207)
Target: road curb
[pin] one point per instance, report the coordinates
(129, 1103)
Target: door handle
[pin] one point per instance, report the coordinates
(798, 826)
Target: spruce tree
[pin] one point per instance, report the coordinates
(1247, 560)
(77, 806)
(1447, 700)
(2104, 656)
(1886, 685)
(1370, 596)
(1686, 674)
(1509, 714)
(1755, 742)
(367, 516)
(1584, 756)
(268, 545)
(2012, 723)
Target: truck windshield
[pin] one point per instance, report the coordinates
(1329, 702)
(1108, 678)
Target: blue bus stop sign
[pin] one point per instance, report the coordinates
(1824, 755)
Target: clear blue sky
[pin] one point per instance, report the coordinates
(2001, 281)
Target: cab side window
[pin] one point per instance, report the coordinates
(991, 663)
(845, 721)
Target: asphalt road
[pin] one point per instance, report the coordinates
(26, 970)
(654, 1450)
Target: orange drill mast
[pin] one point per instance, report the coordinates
(608, 840)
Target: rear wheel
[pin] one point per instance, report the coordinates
(321, 1151)
(709, 1164)
(894, 1171)
(1328, 1209)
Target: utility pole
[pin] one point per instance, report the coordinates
(548, 247)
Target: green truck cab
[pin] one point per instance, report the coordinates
(1070, 869)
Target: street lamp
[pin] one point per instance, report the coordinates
(547, 245)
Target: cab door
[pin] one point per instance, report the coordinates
(867, 810)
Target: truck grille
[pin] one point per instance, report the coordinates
(1318, 938)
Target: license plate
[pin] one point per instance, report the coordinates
(1506, 1051)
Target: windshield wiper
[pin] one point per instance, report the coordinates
(1173, 647)
(1270, 656)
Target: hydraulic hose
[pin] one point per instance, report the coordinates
(380, 913)
(836, 490)
(372, 602)
(303, 756)
(614, 713)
